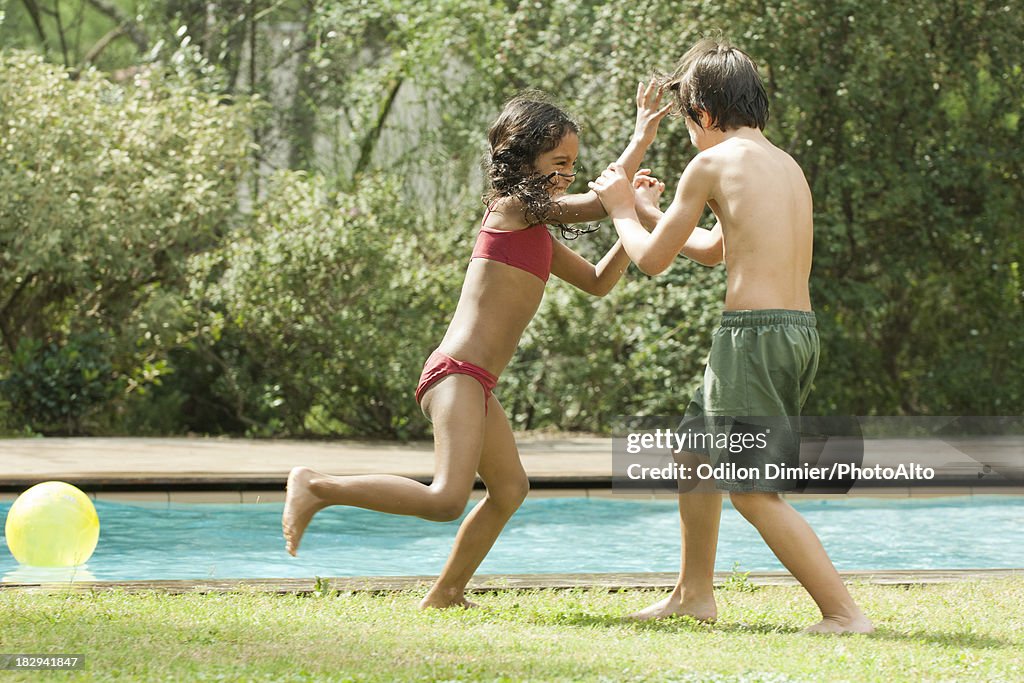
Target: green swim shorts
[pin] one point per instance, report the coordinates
(757, 379)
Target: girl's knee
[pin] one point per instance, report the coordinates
(447, 505)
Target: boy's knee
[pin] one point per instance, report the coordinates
(750, 504)
(511, 494)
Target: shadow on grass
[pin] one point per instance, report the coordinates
(952, 638)
(958, 639)
(680, 624)
(589, 620)
(739, 627)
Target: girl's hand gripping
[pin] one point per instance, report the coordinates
(614, 189)
(647, 191)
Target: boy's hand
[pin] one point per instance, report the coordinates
(648, 115)
(614, 189)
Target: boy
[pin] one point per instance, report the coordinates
(765, 354)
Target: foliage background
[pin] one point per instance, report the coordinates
(253, 217)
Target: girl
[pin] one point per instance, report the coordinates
(533, 150)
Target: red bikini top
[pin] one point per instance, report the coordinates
(528, 249)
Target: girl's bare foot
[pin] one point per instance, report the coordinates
(675, 606)
(858, 623)
(300, 504)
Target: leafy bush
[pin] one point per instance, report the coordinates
(53, 387)
(105, 190)
(319, 314)
(313, 315)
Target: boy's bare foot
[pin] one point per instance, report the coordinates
(300, 504)
(675, 606)
(841, 625)
(434, 602)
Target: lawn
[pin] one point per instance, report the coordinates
(956, 631)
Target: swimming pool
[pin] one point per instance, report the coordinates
(548, 535)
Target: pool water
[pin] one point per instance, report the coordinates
(548, 535)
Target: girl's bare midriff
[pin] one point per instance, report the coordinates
(497, 302)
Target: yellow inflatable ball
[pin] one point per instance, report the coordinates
(52, 524)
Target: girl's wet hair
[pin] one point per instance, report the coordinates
(715, 77)
(527, 127)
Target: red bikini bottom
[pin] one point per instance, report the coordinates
(440, 365)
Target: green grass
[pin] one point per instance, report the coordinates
(957, 631)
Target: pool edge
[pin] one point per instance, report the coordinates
(500, 582)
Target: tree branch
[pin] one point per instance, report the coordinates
(102, 44)
(33, 11)
(373, 135)
(60, 32)
(8, 334)
(134, 31)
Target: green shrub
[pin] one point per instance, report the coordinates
(105, 190)
(313, 315)
(53, 386)
(319, 315)
(316, 320)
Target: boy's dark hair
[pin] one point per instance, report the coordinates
(528, 126)
(722, 80)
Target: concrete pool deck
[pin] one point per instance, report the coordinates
(246, 470)
(224, 469)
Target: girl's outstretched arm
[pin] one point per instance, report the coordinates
(586, 207)
(598, 279)
(582, 208)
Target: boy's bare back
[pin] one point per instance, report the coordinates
(763, 204)
(758, 192)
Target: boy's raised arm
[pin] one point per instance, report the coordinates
(653, 252)
(705, 246)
